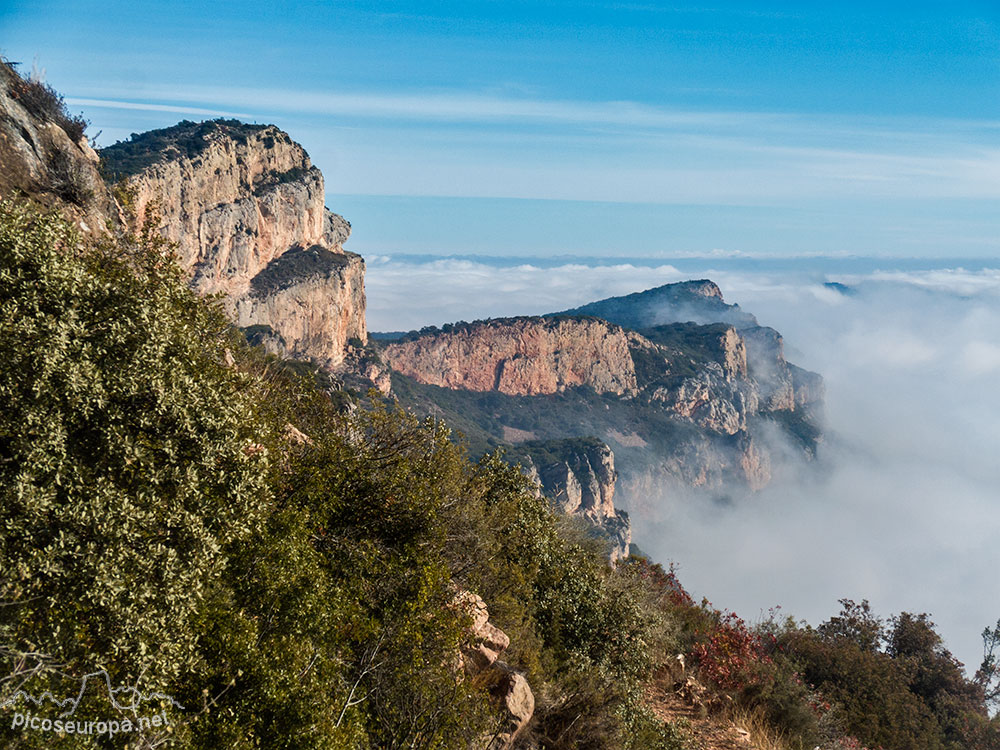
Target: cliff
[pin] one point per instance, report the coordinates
(521, 356)
(579, 476)
(245, 207)
(684, 404)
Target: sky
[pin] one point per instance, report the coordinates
(594, 129)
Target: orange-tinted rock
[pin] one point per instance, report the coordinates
(521, 357)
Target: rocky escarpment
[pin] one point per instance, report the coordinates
(579, 476)
(245, 207)
(521, 356)
(45, 155)
(693, 402)
(696, 310)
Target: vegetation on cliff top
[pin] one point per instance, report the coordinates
(297, 264)
(41, 100)
(186, 139)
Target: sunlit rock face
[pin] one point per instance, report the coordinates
(579, 476)
(686, 390)
(245, 207)
(522, 357)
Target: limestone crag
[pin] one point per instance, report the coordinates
(315, 306)
(580, 478)
(245, 207)
(479, 658)
(783, 386)
(521, 356)
(710, 399)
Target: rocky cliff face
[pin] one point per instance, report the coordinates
(521, 356)
(246, 208)
(314, 301)
(45, 155)
(683, 404)
(580, 478)
(243, 203)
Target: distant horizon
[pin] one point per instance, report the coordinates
(572, 126)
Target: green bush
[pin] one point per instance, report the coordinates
(130, 454)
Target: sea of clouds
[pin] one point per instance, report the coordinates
(905, 511)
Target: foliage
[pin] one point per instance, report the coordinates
(729, 652)
(184, 509)
(290, 587)
(185, 139)
(988, 674)
(129, 454)
(893, 684)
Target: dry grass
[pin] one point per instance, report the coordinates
(762, 735)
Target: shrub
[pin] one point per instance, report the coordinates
(129, 453)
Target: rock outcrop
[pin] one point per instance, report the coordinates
(45, 155)
(579, 476)
(479, 659)
(245, 207)
(783, 386)
(521, 356)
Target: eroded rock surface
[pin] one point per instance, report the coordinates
(245, 207)
(521, 356)
(580, 478)
(479, 658)
(689, 399)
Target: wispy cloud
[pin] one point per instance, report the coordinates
(471, 144)
(153, 107)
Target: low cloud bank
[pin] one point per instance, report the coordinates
(905, 509)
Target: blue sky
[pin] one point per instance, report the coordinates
(581, 128)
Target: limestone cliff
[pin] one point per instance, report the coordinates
(245, 207)
(689, 403)
(784, 387)
(521, 356)
(579, 476)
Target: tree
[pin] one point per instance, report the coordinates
(988, 675)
